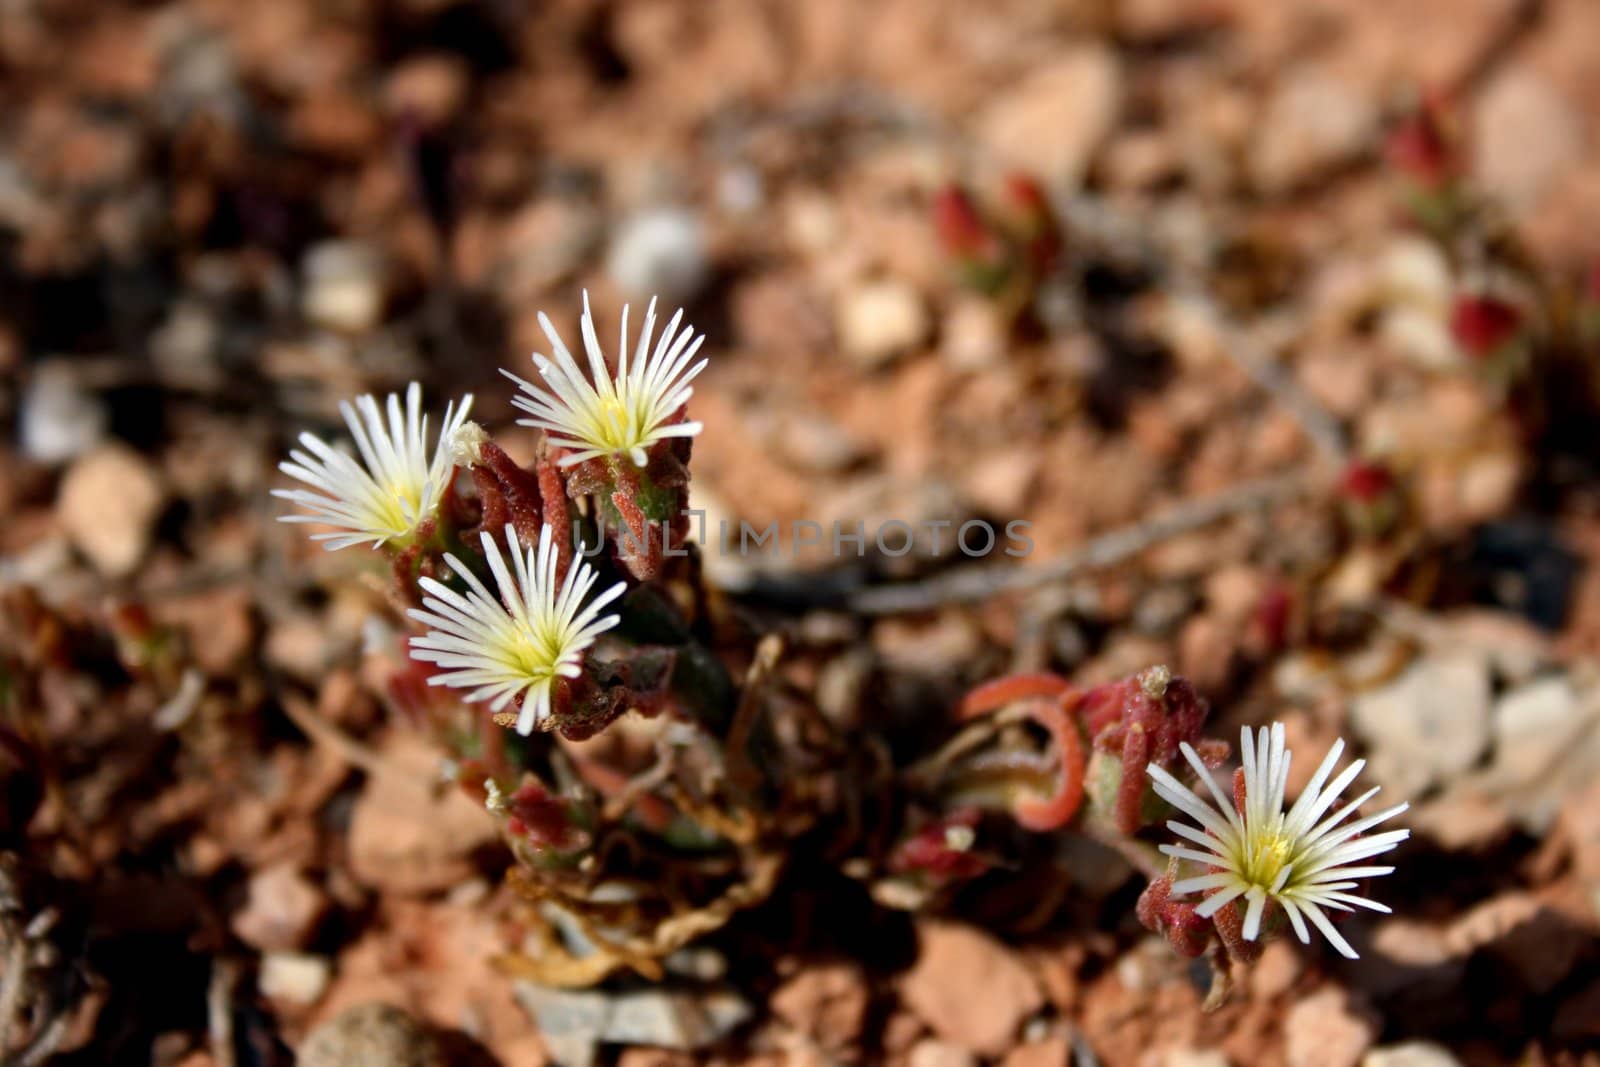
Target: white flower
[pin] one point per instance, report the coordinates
(1266, 854)
(621, 414)
(395, 484)
(513, 647)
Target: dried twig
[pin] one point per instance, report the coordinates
(219, 1010)
(25, 991)
(13, 987)
(323, 732)
(742, 774)
(1248, 350)
(980, 583)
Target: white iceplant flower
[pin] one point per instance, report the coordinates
(613, 414)
(395, 484)
(514, 646)
(1267, 855)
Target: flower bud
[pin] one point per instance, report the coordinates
(1135, 722)
(1492, 335)
(976, 252)
(1370, 497)
(941, 851)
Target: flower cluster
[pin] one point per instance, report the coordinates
(512, 624)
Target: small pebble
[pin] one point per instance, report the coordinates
(371, 1035)
(108, 505)
(660, 253)
(59, 419)
(295, 977)
(344, 286)
(881, 320)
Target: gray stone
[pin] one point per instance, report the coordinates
(1525, 135)
(345, 286)
(60, 420)
(815, 443)
(1054, 120)
(1411, 1054)
(1326, 1030)
(930, 1052)
(1547, 744)
(1427, 726)
(1313, 121)
(880, 320)
(1194, 1057)
(295, 977)
(571, 1023)
(660, 252)
(1533, 724)
(674, 1020)
(108, 505)
(370, 1035)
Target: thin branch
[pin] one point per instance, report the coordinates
(1251, 350)
(322, 732)
(13, 986)
(1249, 353)
(219, 1010)
(742, 774)
(980, 583)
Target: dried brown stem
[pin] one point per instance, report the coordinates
(219, 1010)
(303, 715)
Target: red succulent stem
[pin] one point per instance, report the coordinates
(540, 818)
(640, 551)
(1130, 791)
(1058, 810)
(1186, 931)
(408, 562)
(655, 813)
(996, 694)
(1365, 481)
(556, 514)
(1482, 323)
(1228, 921)
(520, 489)
(495, 514)
(1421, 149)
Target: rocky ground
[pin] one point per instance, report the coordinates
(218, 220)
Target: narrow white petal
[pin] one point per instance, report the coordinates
(1252, 915)
(1203, 882)
(1187, 801)
(1217, 901)
(1322, 923)
(1292, 910)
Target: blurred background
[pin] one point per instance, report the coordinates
(1314, 277)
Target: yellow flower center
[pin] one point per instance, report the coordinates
(535, 653)
(397, 501)
(613, 425)
(1265, 855)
